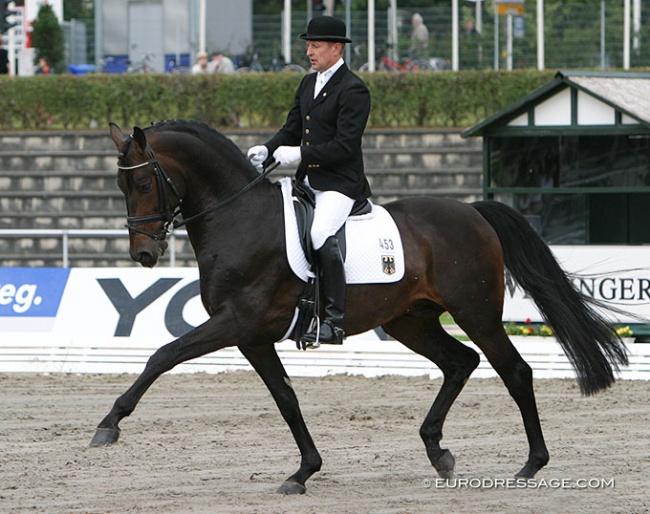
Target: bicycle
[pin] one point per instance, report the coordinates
(143, 67)
(251, 63)
(388, 64)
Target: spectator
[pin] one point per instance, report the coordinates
(419, 37)
(201, 65)
(4, 59)
(221, 63)
(44, 67)
(470, 29)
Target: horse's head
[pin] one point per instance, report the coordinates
(152, 199)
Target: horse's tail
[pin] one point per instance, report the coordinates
(590, 343)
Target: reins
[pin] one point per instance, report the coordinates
(165, 213)
(230, 199)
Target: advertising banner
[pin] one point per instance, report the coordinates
(111, 320)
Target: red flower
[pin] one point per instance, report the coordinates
(528, 321)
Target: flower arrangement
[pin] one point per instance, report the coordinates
(624, 331)
(528, 328)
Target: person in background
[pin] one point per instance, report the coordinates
(419, 37)
(323, 131)
(4, 59)
(221, 63)
(201, 65)
(44, 67)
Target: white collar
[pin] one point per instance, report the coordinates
(325, 75)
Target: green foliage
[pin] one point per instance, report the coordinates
(78, 9)
(251, 100)
(47, 37)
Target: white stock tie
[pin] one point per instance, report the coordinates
(321, 80)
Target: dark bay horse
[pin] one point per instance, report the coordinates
(455, 254)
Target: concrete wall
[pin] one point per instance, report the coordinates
(67, 181)
(228, 26)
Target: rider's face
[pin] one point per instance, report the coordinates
(323, 54)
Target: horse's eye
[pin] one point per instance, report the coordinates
(145, 188)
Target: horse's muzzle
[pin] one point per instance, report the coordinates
(148, 257)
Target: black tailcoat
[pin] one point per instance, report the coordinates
(329, 129)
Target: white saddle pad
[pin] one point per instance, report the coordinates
(374, 252)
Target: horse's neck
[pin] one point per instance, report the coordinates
(240, 238)
(210, 185)
(223, 216)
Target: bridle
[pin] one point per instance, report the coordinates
(167, 213)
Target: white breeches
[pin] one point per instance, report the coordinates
(332, 209)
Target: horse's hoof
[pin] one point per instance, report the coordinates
(105, 437)
(289, 487)
(445, 465)
(527, 472)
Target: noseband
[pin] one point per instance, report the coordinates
(167, 213)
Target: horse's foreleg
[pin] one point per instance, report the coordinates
(193, 344)
(266, 362)
(422, 333)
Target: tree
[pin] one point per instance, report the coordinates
(78, 9)
(47, 37)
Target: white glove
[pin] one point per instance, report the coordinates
(287, 154)
(257, 155)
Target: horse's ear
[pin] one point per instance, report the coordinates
(117, 136)
(140, 138)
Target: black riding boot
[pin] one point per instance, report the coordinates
(332, 275)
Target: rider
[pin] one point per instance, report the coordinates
(323, 131)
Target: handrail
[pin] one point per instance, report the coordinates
(66, 234)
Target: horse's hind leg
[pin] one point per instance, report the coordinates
(266, 362)
(517, 376)
(421, 331)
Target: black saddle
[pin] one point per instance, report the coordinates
(304, 204)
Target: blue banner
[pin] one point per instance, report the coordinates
(31, 292)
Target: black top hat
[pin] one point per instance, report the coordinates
(326, 28)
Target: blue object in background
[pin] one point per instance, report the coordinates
(31, 292)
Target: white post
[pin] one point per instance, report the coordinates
(371, 35)
(496, 39)
(348, 24)
(286, 31)
(99, 33)
(509, 42)
(626, 35)
(454, 36)
(392, 29)
(540, 35)
(202, 26)
(11, 51)
(602, 35)
(479, 17)
(636, 29)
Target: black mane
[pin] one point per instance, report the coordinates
(203, 132)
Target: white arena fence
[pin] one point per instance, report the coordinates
(65, 235)
(363, 354)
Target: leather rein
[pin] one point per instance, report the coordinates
(166, 212)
